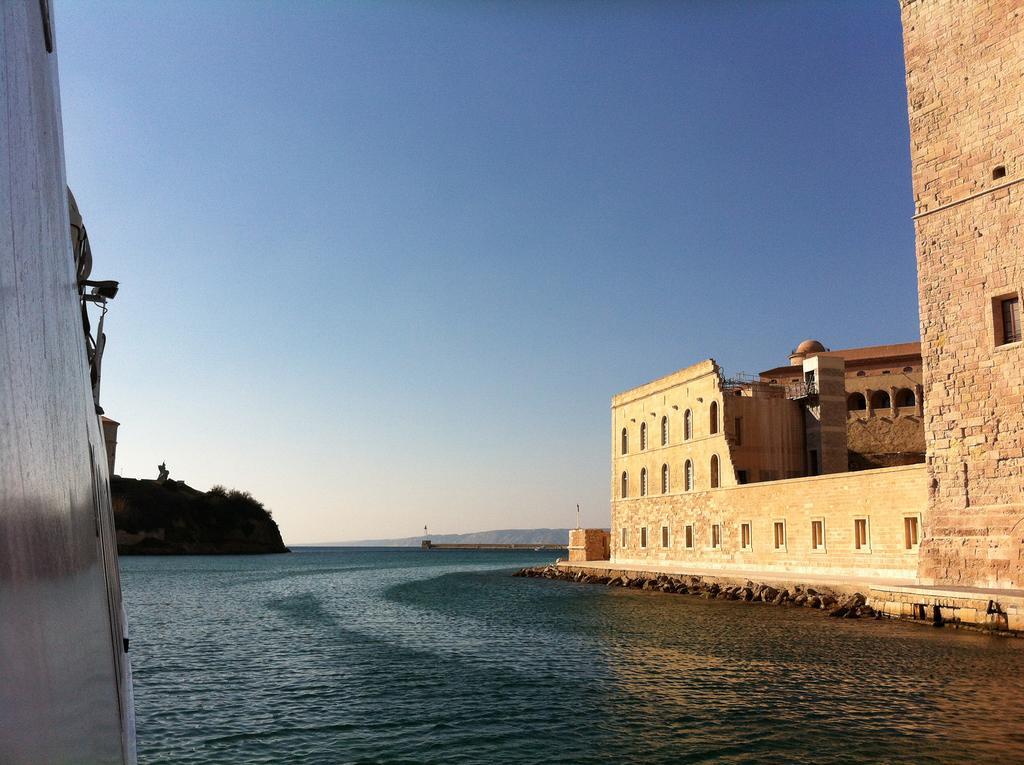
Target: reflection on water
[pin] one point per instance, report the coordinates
(375, 656)
(749, 682)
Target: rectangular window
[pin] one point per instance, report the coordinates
(625, 538)
(813, 459)
(738, 428)
(716, 536)
(910, 532)
(780, 535)
(664, 536)
(1010, 309)
(643, 537)
(860, 534)
(741, 476)
(689, 537)
(745, 536)
(818, 534)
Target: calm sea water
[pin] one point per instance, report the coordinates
(361, 656)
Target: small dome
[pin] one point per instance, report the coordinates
(810, 346)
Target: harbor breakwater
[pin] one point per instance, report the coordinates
(426, 544)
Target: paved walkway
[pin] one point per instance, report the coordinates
(992, 593)
(844, 582)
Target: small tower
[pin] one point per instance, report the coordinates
(825, 414)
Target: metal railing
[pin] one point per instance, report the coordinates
(90, 292)
(743, 381)
(803, 389)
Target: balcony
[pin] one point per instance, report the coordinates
(801, 390)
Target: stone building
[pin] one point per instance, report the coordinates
(965, 90)
(703, 465)
(890, 461)
(826, 412)
(884, 396)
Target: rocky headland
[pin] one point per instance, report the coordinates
(849, 606)
(168, 517)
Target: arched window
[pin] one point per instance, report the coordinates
(905, 397)
(688, 475)
(625, 441)
(880, 399)
(664, 479)
(643, 436)
(713, 413)
(664, 431)
(643, 482)
(714, 471)
(687, 425)
(624, 486)
(856, 402)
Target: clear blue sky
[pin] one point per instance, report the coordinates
(385, 263)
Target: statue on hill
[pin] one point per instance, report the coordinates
(164, 472)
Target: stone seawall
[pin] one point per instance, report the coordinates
(978, 610)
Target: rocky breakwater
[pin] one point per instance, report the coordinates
(835, 604)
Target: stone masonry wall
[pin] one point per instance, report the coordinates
(588, 544)
(883, 497)
(884, 441)
(765, 436)
(694, 390)
(965, 88)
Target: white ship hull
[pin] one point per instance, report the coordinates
(65, 686)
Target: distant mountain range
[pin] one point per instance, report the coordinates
(499, 536)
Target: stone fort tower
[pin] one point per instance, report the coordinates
(965, 88)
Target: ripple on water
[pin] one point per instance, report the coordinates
(375, 656)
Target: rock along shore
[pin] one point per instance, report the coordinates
(834, 603)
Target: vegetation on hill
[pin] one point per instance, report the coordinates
(172, 518)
